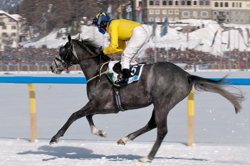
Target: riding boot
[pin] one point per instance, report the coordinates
(125, 76)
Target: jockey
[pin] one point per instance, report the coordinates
(120, 31)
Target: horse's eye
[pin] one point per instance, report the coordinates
(62, 50)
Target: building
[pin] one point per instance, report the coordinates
(230, 11)
(9, 30)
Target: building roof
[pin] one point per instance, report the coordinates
(9, 15)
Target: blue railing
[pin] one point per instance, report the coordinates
(82, 80)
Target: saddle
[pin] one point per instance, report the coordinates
(115, 72)
(115, 75)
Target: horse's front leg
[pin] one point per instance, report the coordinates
(94, 130)
(86, 110)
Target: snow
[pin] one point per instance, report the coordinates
(221, 136)
(107, 153)
(172, 39)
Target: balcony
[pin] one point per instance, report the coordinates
(221, 18)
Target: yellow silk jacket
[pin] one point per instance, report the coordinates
(120, 30)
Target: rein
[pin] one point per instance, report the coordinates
(100, 73)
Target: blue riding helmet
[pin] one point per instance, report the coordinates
(101, 20)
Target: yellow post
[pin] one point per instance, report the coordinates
(33, 127)
(75, 68)
(37, 68)
(8, 68)
(47, 68)
(18, 69)
(28, 68)
(191, 118)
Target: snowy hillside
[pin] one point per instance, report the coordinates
(200, 39)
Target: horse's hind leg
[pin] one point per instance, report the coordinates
(150, 125)
(161, 122)
(94, 130)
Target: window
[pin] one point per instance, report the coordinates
(176, 3)
(164, 11)
(176, 19)
(170, 11)
(4, 34)
(1, 19)
(195, 3)
(4, 27)
(194, 13)
(221, 4)
(183, 3)
(189, 3)
(185, 14)
(207, 2)
(227, 20)
(164, 2)
(157, 19)
(163, 19)
(241, 20)
(226, 4)
(157, 2)
(216, 4)
(204, 14)
(13, 34)
(157, 11)
(240, 4)
(214, 13)
(170, 2)
(151, 11)
(151, 2)
(151, 19)
(201, 3)
(227, 13)
(13, 27)
(176, 11)
(233, 4)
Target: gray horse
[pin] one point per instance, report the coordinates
(162, 84)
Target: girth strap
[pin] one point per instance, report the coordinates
(118, 98)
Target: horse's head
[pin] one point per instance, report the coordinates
(66, 58)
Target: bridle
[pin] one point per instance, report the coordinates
(71, 50)
(63, 58)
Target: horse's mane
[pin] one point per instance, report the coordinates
(93, 47)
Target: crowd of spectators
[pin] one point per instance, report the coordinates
(27, 55)
(43, 55)
(191, 56)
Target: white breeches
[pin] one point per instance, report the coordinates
(138, 40)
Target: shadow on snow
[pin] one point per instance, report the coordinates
(83, 153)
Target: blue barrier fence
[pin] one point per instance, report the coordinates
(43, 80)
(82, 80)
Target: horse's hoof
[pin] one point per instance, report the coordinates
(144, 160)
(102, 133)
(122, 141)
(53, 140)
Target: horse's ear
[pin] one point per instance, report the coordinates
(78, 37)
(69, 38)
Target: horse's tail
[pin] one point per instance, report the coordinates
(209, 85)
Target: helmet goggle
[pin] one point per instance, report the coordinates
(98, 22)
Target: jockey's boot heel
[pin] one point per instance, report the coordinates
(125, 76)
